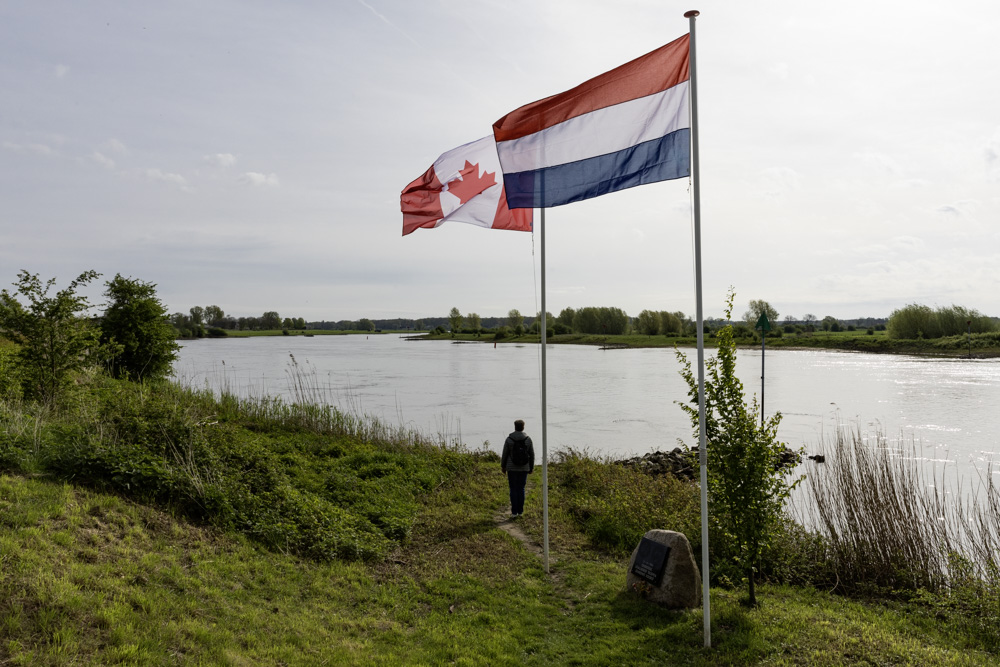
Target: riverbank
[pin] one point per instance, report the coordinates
(152, 524)
(978, 346)
(983, 346)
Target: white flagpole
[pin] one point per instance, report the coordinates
(545, 451)
(703, 450)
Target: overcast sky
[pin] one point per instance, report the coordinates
(250, 154)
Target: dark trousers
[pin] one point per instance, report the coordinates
(516, 482)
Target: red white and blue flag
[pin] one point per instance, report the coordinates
(463, 185)
(626, 127)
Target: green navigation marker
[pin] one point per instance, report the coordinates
(762, 323)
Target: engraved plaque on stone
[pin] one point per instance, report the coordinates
(650, 561)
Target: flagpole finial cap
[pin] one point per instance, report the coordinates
(691, 14)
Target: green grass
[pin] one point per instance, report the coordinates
(90, 578)
(147, 524)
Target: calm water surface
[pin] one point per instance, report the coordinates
(616, 402)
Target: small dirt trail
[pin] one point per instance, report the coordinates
(513, 528)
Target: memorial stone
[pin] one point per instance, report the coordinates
(663, 570)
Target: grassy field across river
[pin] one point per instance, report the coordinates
(982, 345)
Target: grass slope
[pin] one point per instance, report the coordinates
(90, 578)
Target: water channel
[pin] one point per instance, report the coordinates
(618, 403)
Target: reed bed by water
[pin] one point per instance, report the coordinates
(888, 525)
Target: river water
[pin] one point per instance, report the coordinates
(619, 403)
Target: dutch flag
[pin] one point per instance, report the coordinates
(629, 126)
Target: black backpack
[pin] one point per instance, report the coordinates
(519, 453)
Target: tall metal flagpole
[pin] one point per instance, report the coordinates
(703, 445)
(545, 451)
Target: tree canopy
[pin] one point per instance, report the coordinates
(135, 325)
(55, 338)
(757, 308)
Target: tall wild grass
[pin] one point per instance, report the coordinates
(919, 321)
(888, 525)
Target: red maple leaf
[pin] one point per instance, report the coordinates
(469, 183)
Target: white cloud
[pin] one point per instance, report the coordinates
(61, 71)
(779, 70)
(960, 208)
(878, 162)
(777, 181)
(160, 176)
(221, 159)
(910, 184)
(259, 180)
(41, 149)
(908, 243)
(114, 146)
(36, 148)
(991, 153)
(103, 160)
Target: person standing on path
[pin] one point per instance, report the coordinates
(517, 462)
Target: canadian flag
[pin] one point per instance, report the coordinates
(463, 185)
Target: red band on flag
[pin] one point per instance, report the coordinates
(652, 73)
(420, 203)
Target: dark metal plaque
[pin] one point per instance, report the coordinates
(650, 561)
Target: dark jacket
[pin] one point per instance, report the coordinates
(506, 464)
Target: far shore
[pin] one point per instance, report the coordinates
(877, 342)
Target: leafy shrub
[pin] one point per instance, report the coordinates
(747, 483)
(10, 372)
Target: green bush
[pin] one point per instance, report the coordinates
(10, 372)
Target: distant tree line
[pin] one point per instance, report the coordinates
(212, 320)
(913, 321)
(602, 321)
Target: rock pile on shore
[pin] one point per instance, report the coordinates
(682, 463)
(678, 463)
